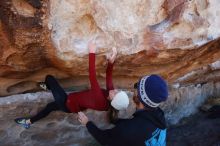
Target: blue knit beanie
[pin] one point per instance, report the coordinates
(152, 90)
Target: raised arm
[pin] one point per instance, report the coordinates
(109, 83)
(92, 70)
(111, 60)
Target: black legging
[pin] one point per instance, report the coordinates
(59, 96)
(214, 112)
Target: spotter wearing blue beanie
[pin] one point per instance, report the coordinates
(152, 90)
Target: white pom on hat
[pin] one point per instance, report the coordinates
(120, 101)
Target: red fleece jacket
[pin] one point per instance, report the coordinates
(95, 98)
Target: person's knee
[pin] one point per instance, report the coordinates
(49, 78)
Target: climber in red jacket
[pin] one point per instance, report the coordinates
(94, 98)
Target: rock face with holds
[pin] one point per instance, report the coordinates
(178, 39)
(166, 37)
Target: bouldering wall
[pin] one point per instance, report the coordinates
(166, 37)
(178, 39)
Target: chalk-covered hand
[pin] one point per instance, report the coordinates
(112, 57)
(92, 47)
(82, 118)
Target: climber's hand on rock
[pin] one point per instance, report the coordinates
(92, 46)
(82, 118)
(112, 57)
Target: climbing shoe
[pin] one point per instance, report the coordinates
(23, 122)
(43, 86)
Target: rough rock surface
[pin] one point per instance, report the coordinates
(166, 37)
(64, 129)
(178, 39)
(196, 130)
